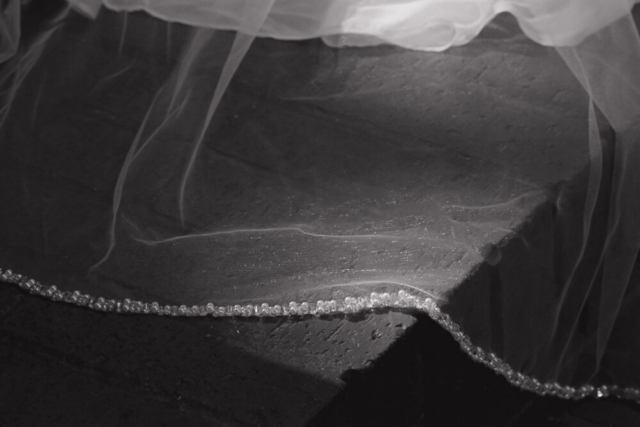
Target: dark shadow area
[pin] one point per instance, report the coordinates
(460, 392)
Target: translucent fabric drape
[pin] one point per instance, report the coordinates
(194, 152)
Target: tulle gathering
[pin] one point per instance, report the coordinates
(432, 25)
(204, 163)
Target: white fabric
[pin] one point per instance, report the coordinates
(432, 25)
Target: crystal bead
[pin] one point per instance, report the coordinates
(602, 392)
(412, 301)
(547, 388)
(247, 310)
(478, 353)
(400, 301)
(387, 299)
(375, 300)
(264, 309)
(304, 308)
(570, 392)
(530, 384)
(330, 306)
(202, 310)
(428, 305)
(277, 310)
(210, 309)
(155, 308)
(293, 308)
(27, 284)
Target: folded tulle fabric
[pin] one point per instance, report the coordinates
(432, 25)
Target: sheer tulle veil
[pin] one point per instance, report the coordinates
(234, 164)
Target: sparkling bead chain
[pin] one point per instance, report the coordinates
(350, 305)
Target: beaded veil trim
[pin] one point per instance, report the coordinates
(350, 305)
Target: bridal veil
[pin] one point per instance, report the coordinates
(475, 159)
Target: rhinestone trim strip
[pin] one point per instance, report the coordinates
(350, 305)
